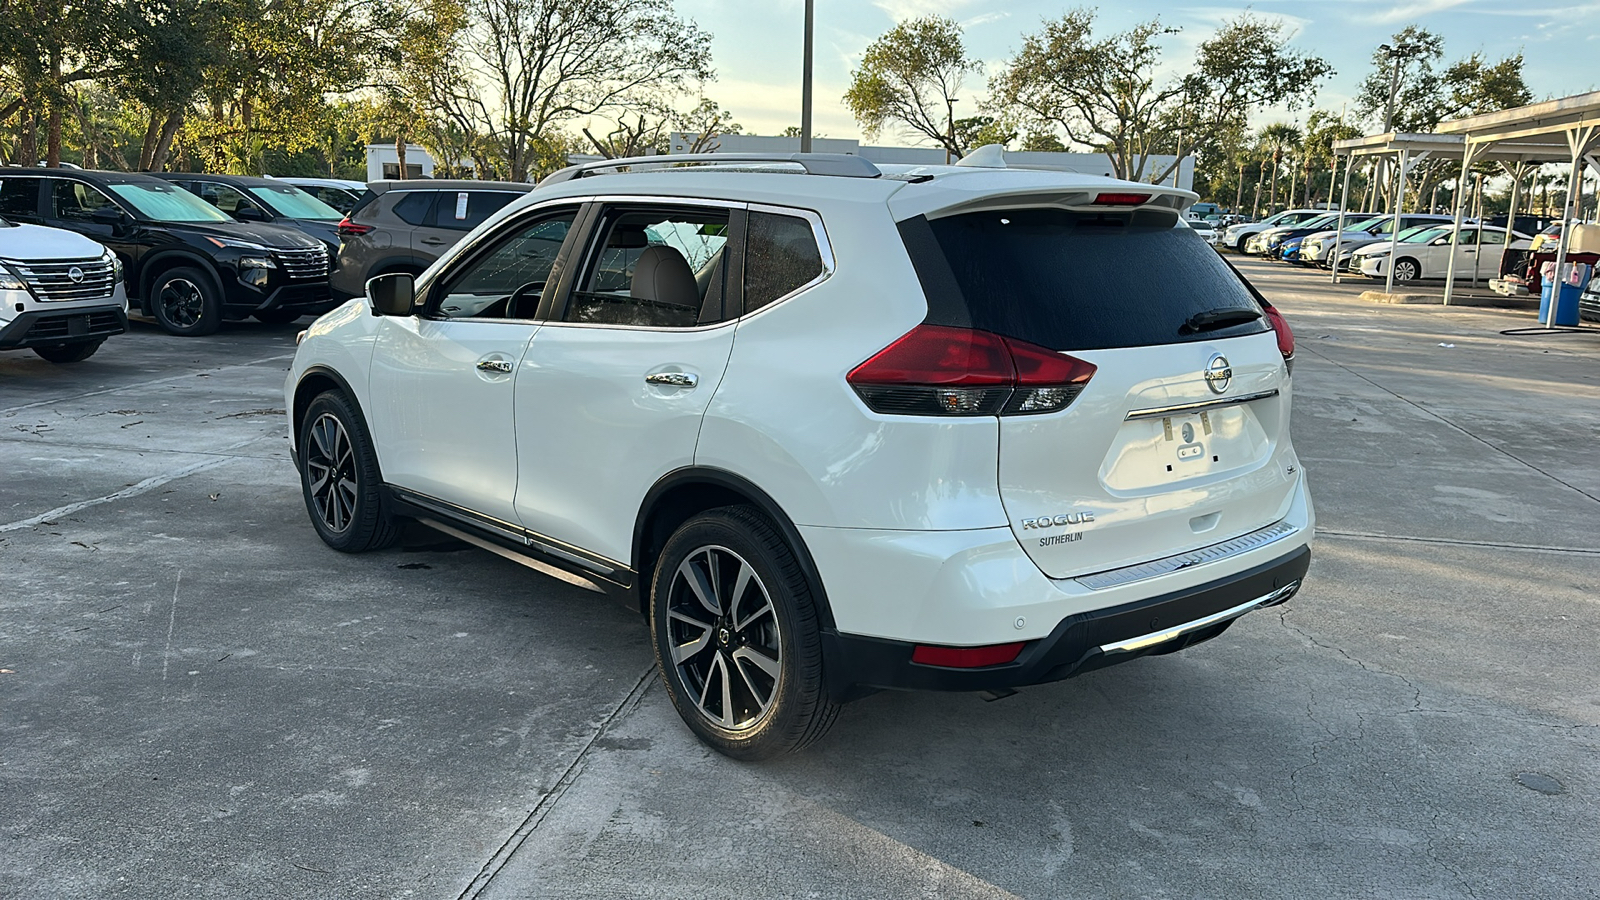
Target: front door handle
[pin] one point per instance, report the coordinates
(434, 242)
(673, 379)
(496, 366)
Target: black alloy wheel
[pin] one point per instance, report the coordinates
(77, 351)
(186, 303)
(340, 480)
(736, 636)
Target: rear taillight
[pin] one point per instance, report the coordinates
(965, 657)
(937, 370)
(1280, 327)
(348, 228)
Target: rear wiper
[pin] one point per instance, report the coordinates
(1212, 319)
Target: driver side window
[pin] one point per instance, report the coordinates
(507, 282)
(76, 200)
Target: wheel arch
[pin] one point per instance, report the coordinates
(1416, 264)
(159, 263)
(314, 382)
(684, 493)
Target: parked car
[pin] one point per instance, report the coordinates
(340, 193)
(1266, 243)
(248, 199)
(403, 226)
(1359, 231)
(184, 262)
(1203, 228)
(869, 487)
(1426, 253)
(1235, 236)
(61, 294)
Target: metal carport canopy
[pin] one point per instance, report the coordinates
(1412, 148)
(1564, 130)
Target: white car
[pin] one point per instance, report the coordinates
(1207, 232)
(830, 428)
(1425, 253)
(1234, 237)
(1361, 230)
(61, 294)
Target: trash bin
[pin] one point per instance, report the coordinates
(1575, 277)
(1566, 305)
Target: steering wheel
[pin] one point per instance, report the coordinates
(530, 291)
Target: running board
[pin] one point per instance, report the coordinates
(514, 556)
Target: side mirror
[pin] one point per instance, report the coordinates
(1440, 242)
(249, 214)
(107, 215)
(392, 294)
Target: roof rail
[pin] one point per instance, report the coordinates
(841, 165)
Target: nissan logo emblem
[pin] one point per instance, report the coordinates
(1218, 373)
(76, 274)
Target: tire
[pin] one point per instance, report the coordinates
(68, 353)
(186, 303)
(277, 316)
(339, 478)
(1407, 269)
(1238, 246)
(752, 689)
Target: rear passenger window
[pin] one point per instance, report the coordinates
(466, 210)
(781, 256)
(413, 208)
(76, 200)
(19, 199)
(654, 268)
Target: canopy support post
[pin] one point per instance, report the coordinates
(1344, 203)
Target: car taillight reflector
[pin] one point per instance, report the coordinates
(944, 371)
(1280, 327)
(965, 657)
(348, 228)
(1121, 199)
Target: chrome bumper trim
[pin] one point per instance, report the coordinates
(1166, 634)
(1156, 412)
(1244, 543)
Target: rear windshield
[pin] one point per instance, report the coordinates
(1076, 281)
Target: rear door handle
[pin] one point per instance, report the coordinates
(497, 366)
(433, 241)
(672, 379)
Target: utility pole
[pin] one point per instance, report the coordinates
(805, 83)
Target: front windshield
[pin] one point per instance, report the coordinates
(292, 203)
(168, 203)
(1372, 226)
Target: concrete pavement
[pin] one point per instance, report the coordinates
(202, 700)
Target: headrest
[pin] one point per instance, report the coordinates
(664, 276)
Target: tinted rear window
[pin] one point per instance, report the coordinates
(466, 210)
(1074, 281)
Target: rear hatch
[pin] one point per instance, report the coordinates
(1180, 438)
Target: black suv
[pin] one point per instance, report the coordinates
(248, 199)
(185, 263)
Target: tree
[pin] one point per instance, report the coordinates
(543, 63)
(910, 77)
(1322, 130)
(1106, 93)
(706, 121)
(49, 47)
(1099, 92)
(1278, 139)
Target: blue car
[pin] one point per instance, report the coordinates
(1289, 250)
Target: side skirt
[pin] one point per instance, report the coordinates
(545, 555)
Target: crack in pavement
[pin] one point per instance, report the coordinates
(547, 802)
(1455, 542)
(1431, 414)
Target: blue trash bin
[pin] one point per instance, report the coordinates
(1566, 306)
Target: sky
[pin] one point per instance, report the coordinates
(757, 45)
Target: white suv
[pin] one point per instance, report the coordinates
(831, 428)
(61, 294)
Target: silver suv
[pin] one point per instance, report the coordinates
(403, 226)
(61, 294)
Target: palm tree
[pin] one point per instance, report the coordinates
(1278, 138)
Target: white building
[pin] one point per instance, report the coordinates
(1084, 163)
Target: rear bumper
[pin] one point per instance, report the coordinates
(48, 327)
(1079, 643)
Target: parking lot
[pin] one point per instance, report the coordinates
(199, 699)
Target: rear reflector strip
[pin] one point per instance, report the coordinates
(965, 657)
(1281, 595)
(1111, 578)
